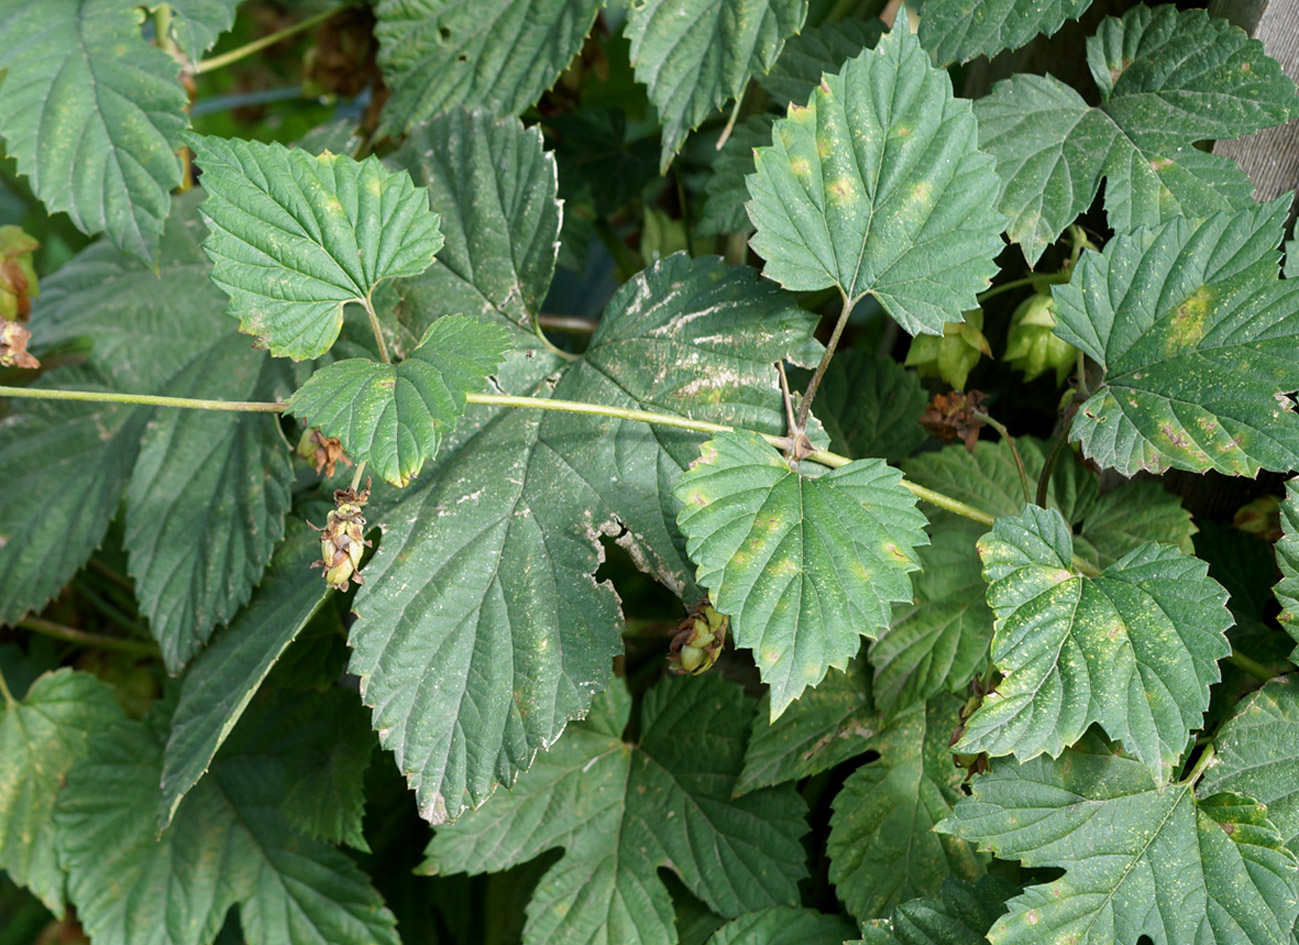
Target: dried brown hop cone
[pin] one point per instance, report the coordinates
(13, 346)
(323, 452)
(952, 416)
(342, 540)
(699, 640)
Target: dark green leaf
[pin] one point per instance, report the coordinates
(1287, 558)
(782, 925)
(293, 238)
(1168, 79)
(621, 812)
(1197, 338)
(496, 191)
(596, 159)
(41, 737)
(66, 464)
(1258, 755)
(812, 53)
(1140, 858)
(726, 192)
(223, 679)
(881, 847)
(959, 915)
(500, 55)
(695, 55)
(871, 406)
(961, 30)
(394, 416)
(804, 567)
(229, 844)
(827, 725)
(1134, 649)
(92, 115)
(875, 187)
(221, 475)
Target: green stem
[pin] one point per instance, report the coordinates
(1014, 451)
(1044, 480)
(72, 635)
(10, 701)
(162, 29)
(356, 476)
(257, 45)
(1201, 765)
(378, 331)
(1038, 279)
(806, 405)
(1251, 666)
(143, 400)
(730, 122)
(570, 324)
(824, 457)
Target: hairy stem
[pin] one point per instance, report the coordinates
(1251, 666)
(805, 407)
(1201, 765)
(824, 457)
(377, 329)
(1036, 280)
(9, 699)
(1044, 480)
(1014, 451)
(85, 638)
(234, 55)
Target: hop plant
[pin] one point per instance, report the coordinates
(18, 283)
(322, 452)
(342, 540)
(1032, 347)
(955, 354)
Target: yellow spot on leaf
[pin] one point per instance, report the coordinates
(1186, 328)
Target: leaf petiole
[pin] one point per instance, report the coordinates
(257, 45)
(85, 638)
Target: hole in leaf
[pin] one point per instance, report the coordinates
(444, 32)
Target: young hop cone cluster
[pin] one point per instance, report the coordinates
(1031, 346)
(955, 354)
(18, 286)
(698, 641)
(342, 540)
(322, 452)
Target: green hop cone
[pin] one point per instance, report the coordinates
(955, 354)
(18, 283)
(699, 641)
(1032, 347)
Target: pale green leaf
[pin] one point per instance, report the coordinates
(871, 406)
(1140, 857)
(41, 737)
(393, 417)
(69, 462)
(804, 567)
(961, 30)
(1258, 755)
(782, 925)
(221, 475)
(1134, 649)
(825, 726)
(92, 115)
(1197, 336)
(497, 193)
(228, 845)
(876, 187)
(959, 915)
(196, 24)
(695, 55)
(881, 847)
(226, 675)
(1287, 559)
(499, 55)
(1168, 79)
(623, 811)
(294, 238)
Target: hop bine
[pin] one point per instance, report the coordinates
(342, 540)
